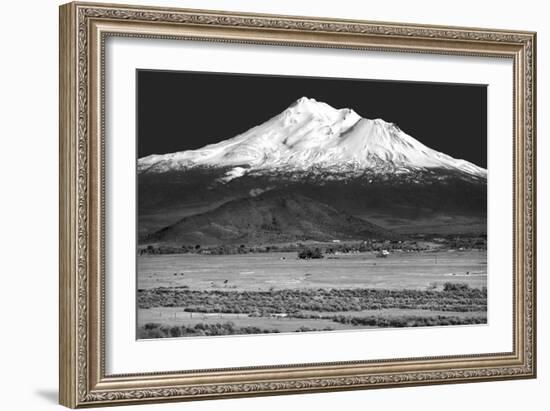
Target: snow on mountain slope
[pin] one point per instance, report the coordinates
(311, 135)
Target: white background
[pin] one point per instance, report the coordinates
(28, 218)
(125, 355)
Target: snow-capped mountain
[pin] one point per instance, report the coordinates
(368, 169)
(312, 136)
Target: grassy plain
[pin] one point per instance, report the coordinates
(196, 295)
(285, 271)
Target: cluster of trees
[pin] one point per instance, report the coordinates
(224, 249)
(166, 249)
(309, 253)
(468, 243)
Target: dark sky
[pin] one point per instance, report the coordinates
(186, 110)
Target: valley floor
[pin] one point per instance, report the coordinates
(202, 295)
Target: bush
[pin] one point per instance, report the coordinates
(449, 287)
(175, 331)
(309, 253)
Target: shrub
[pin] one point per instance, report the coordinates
(309, 253)
(175, 331)
(448, 287)
(454, 297)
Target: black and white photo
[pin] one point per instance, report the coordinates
(272, 204)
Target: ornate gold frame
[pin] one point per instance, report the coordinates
(83, 30)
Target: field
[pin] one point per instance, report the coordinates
(193, 294)
(284, 270)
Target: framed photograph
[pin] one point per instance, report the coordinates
(259, 204)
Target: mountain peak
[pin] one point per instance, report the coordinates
(310, 106)
(304, 100)
(311, 134)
